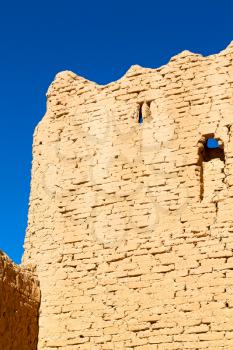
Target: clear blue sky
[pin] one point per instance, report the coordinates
(99, 40)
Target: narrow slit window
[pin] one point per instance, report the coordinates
(144, 112)
(140, 117)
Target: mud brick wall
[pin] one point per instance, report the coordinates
(130, 220)
(19, 305)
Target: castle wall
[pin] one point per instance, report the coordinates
(19, 304)
(130, 226)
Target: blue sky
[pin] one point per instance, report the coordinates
(99, 40)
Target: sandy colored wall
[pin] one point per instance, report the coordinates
(129, 226)
(19, 305)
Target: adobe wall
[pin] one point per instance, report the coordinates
(19, 305)
(130, 226)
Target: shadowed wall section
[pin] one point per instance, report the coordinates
(19, 304)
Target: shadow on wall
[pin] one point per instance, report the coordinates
(19, 307)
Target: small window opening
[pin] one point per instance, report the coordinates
(209, 148)
(212, 143)
(140, 118)
(144, 112)
(212, 149)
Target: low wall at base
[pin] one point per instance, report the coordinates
(19, 304)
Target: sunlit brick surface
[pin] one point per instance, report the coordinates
(130, 228)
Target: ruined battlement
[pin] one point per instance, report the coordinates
(130, 218)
